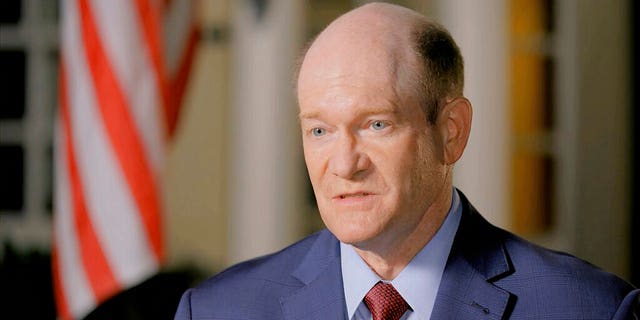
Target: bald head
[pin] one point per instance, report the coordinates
(386, 25)
(393, 45)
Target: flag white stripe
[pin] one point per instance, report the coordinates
(178, 24)
(72, 276)
(109, 201)
(110, 204)
(122, 36)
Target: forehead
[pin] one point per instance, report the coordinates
(338, 79)
(363, 57)
(342, 90)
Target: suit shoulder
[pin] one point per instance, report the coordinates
(247, 279)
(529, 258)
(250, 289)
(559, 277)
(532, 265)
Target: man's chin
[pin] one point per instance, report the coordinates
(356, 239)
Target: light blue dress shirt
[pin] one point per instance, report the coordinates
(419, 281)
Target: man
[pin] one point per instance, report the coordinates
(383, 122)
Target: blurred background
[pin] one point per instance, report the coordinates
(551, 158)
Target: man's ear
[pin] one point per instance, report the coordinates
(454, 123)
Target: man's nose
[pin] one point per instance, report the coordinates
(347, 160)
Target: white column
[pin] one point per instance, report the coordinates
(598, 111)
(481, 28)
(266, 158)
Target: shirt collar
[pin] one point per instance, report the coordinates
(418, 282)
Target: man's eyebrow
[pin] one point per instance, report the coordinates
(309, 115)
(368, 112)
(390, 109)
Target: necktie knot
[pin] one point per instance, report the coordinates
(385, 303)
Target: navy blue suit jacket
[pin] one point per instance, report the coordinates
(490, 274)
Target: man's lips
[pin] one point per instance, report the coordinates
(350, 195)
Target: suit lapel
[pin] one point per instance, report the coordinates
(322, 296)
(477, 258)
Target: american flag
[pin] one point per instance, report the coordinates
(123, 70)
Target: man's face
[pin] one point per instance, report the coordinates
(374, 162)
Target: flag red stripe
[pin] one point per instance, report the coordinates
(122, 132)
(150, 19)
(179, 82)
(100, 276)
(61, 301)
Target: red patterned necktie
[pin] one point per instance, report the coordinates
(384, 302)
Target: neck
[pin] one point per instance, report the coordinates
(388, 260)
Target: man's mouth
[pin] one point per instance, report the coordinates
(353, 195)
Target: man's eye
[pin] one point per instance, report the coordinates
(318, 132)
(378, 125)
